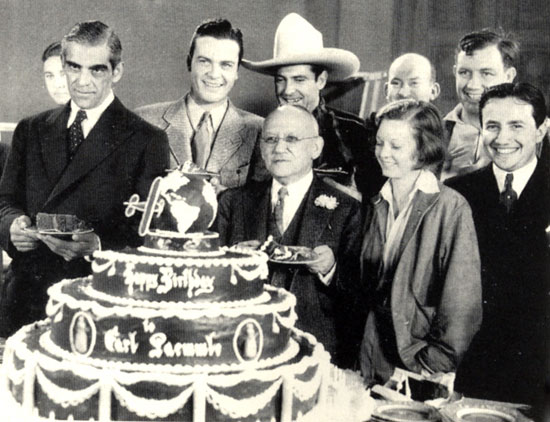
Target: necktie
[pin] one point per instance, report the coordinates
(279, 208)
(76, 136)
(201, 141)
(508, 196)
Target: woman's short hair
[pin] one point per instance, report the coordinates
(426, 125)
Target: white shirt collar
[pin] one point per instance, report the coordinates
(92, 114)
(426, 182)
(296, 190)
(195, 112)
(521, 176)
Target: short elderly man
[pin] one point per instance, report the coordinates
(510, 201)
(412, 75)
(482, 59)
(82, 159)
(204, 126)
(297, 208)
(302, 67)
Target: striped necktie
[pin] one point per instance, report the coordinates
(201, 141)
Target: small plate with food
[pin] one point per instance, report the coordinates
(286, 254)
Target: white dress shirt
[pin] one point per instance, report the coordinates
(195, 112)
(521, 176)
(395, 226)
(296, 193)
(92, 114)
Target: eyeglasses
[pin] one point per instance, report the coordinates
(289, 139)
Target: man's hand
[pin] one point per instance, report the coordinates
(79, 245)
(218, 187)
(324, 263)
(22, 240)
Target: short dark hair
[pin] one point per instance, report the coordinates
(523, 91)
(220, 29)
(53, 50)
(509, 48)
(427, 128)
(94, 33)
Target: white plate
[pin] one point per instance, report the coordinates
(479, 414)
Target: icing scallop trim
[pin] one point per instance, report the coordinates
(252, 258)
(118, 300)
(222, 309)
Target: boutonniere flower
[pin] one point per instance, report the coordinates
(325, 201)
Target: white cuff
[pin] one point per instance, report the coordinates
(327, 278)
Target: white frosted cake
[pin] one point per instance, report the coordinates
(179, 329)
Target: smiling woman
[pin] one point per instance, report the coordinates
(419, 240)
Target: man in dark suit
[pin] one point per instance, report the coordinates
(83, 159)
(297, 208)
(510, 201)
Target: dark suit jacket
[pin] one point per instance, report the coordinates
(243, 214)
(121, 155)
(506, 359)
(349, 144)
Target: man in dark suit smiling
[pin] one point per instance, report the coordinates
(510, 201)
(298, 208)
(84, 159)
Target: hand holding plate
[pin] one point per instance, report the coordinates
(324, 262)
(79, 245)
(24, 240)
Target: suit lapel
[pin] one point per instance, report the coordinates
(179, 131)
(421, 203)
(53, 143)
(256, 209)
(110, 131)
(315, 219)
(227, 141)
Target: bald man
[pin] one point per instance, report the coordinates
(299, 209)
(412, 76)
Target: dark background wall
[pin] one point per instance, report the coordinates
(155, 35)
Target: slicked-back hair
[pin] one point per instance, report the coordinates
(427, 129)
(509, 48)
(53, 50)
(94, 33)
(523, 91)
(220, 29)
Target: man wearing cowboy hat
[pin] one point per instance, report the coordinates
(301, 67)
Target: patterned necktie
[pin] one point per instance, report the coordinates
(508, 196)
(201, 141)
(76, 136)
(279, 208)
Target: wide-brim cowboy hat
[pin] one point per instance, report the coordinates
(298, 42)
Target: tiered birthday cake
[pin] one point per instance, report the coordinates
(179, 329)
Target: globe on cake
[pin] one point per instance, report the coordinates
(178, 329)
(178, 211)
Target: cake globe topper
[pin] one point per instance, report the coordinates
(181, 203)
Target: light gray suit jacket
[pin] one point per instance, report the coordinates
(235, 143)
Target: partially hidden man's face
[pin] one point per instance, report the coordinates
(477, 72)
(89, 73)
(411, 78)
(297, 85)
(289, 162)
(55, 80)
(510, 134)
(214, 69)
